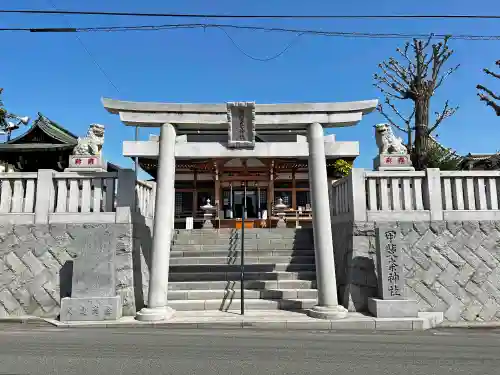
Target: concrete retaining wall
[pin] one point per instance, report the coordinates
(36, 264)
(449, 266)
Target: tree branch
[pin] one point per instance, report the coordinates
(489, 102)
(493, 74)
(387, 93)
(488, 96)
(444, 76)
(401, 86)
(445, 113)
(488, 91)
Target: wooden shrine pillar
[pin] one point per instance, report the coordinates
(294, 191)
(195, 193)
(270, 193)
(217, 202)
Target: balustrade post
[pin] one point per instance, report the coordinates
(44, 195)
(152, 199)
(357, 194)
(433, 193)
(125, 196)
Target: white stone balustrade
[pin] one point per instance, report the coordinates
(47, 196)
(145, 198)
(416, 196)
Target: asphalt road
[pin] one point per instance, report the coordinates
(245, 352)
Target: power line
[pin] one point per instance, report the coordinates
(94, 60)
(261, 16)
(342, 34)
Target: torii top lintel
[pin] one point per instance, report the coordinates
(293, 116)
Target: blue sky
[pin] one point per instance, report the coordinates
(53, 74)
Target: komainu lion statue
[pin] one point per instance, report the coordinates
(92, 143)
(387, 142)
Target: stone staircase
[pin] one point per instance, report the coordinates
(279, 270)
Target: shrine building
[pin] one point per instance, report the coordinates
(224, 152)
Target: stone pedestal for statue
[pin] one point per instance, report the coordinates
(391, 302)
(393, 162)
(87, 163)
(208, 210)
(393, 154)
(280, 212)
(93, 290)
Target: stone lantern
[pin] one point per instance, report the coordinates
(280, 208)
(208, 210)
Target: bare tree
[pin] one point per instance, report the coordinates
(488, 96)
(416, 77)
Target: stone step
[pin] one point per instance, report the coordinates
(255, 232)
(233, 304)
(220, 294)
(248, 253)
(249, 284)
(250, 268)
(234, 276)
(260, 244)
(235, 259)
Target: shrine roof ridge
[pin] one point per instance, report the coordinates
(363, 106)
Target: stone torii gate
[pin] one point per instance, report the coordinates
(241, 121)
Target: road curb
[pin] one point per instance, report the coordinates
(470, 325)
(320, 325)
(25, 320)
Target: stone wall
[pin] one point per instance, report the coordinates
(450, 267)
(36, 264)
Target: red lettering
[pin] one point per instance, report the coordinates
(91, 161)
(78, 161)
(388, 160)
(402, 160)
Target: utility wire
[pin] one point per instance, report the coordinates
(94, 60)
(261, 16)
(342, 34)
(265, 59)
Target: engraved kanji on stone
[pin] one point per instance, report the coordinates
(83, 310)
(391, 248)
(108, 310)
(70, 311)
(390, 258)
(390, 235)
(393, 276)
(95, 310)
(242, 130)
(394, 290)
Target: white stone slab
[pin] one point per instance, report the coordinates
(91, 309)
(392, 162)
(386, 308)
(389, 262)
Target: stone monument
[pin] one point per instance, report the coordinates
(391, 302)
(87, 154)
(392, 153)
(93, 288)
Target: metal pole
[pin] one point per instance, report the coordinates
(242, 257)
(136, 168)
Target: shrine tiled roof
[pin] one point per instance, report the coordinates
(54, 132)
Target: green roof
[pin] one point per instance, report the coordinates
(51, 128)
